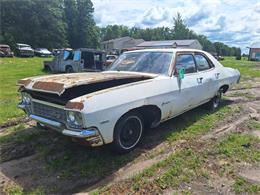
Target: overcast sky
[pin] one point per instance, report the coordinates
(234, 22)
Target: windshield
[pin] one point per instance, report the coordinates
(148, 61)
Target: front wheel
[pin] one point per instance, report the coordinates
(214, 103)
(128, 132)
(69, 69)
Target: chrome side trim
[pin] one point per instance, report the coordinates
(45, 121)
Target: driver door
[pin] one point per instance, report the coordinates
(186, 93)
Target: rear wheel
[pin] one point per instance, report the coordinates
(214, 103)
(128, 132)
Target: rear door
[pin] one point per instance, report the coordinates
(207, 77)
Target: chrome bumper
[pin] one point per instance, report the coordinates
(91, 135)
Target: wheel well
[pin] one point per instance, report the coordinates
(151, 115)
(47, 68)
(68, 66)
(224, 88)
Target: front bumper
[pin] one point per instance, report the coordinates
(91, 135)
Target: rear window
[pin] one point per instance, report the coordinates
(202, 62)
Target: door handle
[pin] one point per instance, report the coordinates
(200, 79)
(217, 75)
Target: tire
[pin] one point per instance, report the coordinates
(47, 69)
(214, 103)
(69, 69)
(128, 132)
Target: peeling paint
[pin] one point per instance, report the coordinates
(75, 105)
(49, 86)
(59, 83)
(24, 82)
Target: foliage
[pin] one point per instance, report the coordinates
(50, 24)
(178, 31)
(82, 31)
(38, 23)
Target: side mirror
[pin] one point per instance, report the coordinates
(180, 73)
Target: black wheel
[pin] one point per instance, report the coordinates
(69, 69)
(47, 69)
(214, 103)
(128, 132)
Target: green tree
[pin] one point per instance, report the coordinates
(39, 23)
(82, 30)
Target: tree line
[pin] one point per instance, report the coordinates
(178, 31)
(49, 23)
(70, 23)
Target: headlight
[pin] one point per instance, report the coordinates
(26, 98)
(74, 119)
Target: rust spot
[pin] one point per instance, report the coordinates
(75, 105)
(49, 86)
(24, 82)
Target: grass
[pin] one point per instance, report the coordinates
(192, 164)
(246, 68)
(253, 124)
(238, 147)
(18, 133)
(198, 122)
(18, 190)
(11, 70)
(186, 164)
(243, 186)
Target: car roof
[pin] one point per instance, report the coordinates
(22, 44)
(173, 50)
(2, 45)
(90, 50)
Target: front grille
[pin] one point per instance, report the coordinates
(49, 112)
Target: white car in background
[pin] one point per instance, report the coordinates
(42, 52)
(142, 89)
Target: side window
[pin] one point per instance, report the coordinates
(97, 57)
(186, 62)
(202, 62)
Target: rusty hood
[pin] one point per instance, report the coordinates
(57, 84)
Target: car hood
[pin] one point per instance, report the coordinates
(57, 84)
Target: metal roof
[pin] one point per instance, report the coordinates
(167, 43)
(255, 45)
(117, 39)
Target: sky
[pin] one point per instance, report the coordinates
(233, 22)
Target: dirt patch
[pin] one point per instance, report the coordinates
(251, 174)
(255, 133)
(14, 122)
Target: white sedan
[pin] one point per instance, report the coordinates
(142, 89)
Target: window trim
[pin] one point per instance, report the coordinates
(184, 53)
(173, 65)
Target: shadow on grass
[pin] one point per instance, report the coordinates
(61, 166)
